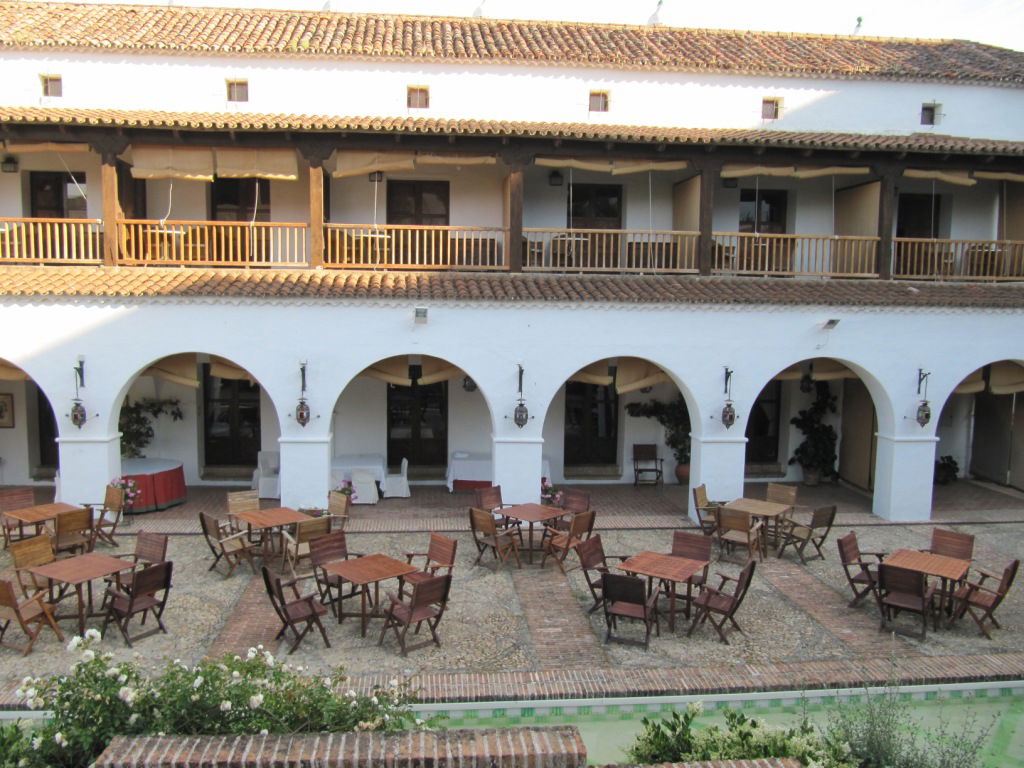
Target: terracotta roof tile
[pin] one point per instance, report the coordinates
(130, 282)
(223, 121)
(237, 31)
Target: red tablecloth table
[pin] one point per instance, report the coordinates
(161, 483)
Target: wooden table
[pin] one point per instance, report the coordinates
(532, 514)
(364, 571)
(265, 520)
(674, 570)
(39, 514)
(769, 510)
(79, 570)
(949, 569)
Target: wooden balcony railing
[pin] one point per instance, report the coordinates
(50, 241)
(815, 255)
(403, 246)
(930, 259)
(213, 243)
(609, 250)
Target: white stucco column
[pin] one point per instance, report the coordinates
(87, 464)
(718, 462)
(517, 468)
(905, 467)
(305, 471)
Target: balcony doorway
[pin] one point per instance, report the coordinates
(57, 195)
(240, 199)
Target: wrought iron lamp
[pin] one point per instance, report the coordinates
(302, 412)
(729, 411)
(521, 414)
(78, 413)
(9, 164)
(468, 384)
(924, 411)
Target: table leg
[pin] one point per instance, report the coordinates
(529, 552)
(364, 617)
(81, 609)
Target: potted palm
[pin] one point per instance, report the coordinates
(675, 418)
(817, 453)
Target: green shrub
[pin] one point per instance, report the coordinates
(99, 699)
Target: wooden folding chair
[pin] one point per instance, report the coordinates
(692, 546)
(11, 499)
(440, 555)
(150, 548)
(738, 528)
(330, 549)
(706, 510)
(107, 516)
(74, 532)
(647, 462)
(296, 546)
(299, 614)
(426, 604)
(861, 574)
(594, 563)
(31, 614)
(28, 553)
(490, 499)
(900, 589)
(625, 597)
(558, 544)
(951, 544)
(799, 535)
(486, 535)
(227, 545)
(976, 596)
(148, 595)
(715, 603)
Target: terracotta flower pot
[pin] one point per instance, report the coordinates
(683, 474)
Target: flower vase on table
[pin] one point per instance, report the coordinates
(549, 495)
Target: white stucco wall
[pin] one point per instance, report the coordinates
(548, 93)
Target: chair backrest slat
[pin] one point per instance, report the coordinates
(952, 544)
(743, 584)
(823, 517)
(431, 591)
(16, 498)
(28, 553)
(8, 597)
(152, 578)
(74, 521)
(781, 494)
(308, 530)
(622, 587)
(328, 548)
(487, 498)
(151, 547)
(849, 550)
(575, 501)
(483, 522)
(581, 524)
(695, 546)
(700, 496)
(113, 498)
(733, 520)
(892, 578)
(591, 552)
(337, 505)
(1009, 573)
(441, 549)
(243, 501)
(645, 452)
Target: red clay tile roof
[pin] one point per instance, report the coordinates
(121, 118)
(233, 31)
(135, 282)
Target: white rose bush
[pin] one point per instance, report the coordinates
(99, 699)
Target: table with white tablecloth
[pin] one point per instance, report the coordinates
(342, 466)
(475, 469)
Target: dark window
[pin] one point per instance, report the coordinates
(52, 85)
(237, 199)
(599, 101)
(595, 206)
(927, 114)
(231, 423)
(591, 424)
(763, 210)
(418, 425)
(770, 109)
(238, 90)
(131, 192)
(917, 215)
(417, 97)
(57, 195)
(49, 455)
(763, 426)
(418, 202)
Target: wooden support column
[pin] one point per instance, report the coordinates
(316, 216)
(513, 219)
(108, 151)
(709, 175)
(886, 216)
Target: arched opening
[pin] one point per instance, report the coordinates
(417, 407)
(28, 429)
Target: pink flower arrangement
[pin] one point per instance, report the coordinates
(549, 493)
(348, 489)
(130, 488)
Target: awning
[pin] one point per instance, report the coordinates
(10, 372)
(434, 369)
(275, 164)
(950, 177)
(431, 159)
(972, 385)
(193, 163)
(27, 147)
(740, 170)
(613, 167)
(595, 373)
(807, 172)
(633, 373)
(999, 175)
(225, 369)
(345, 164)
(1006, 378)
(395, 370)
(795, 372)
(178, 369)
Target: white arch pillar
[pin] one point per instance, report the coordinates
(717, 461)
(905, 467)
(305, 470)
(87, 464)
(517, 468)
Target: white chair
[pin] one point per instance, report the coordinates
(397, 486)
(364, 484)
(267, 477)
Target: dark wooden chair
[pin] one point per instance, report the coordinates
(625, 597)
(861, 574)
(440, 555)
(594, 563)
(813, 531)
(558, 544)
(486, 535)
(295, 546)
(574, 502)
(74, 532)
(426, 604)
(951, 544)
(706, 510)
(692, 546)
(331, 587)
(646, 462)
(717, 606)
(28, 553)
(150, 548)
(900, 589)
(107, 516)
(490, 499)
(976, 596)
(739, 529)
(777, 493)
(31, 615)
(11, 499)
(227, 545)
(148, 596)
(299, 613)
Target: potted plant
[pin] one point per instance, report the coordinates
(675, 418)
(817, 453)
(136, 425)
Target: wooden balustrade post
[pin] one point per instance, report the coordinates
(709, 175)
(514, 219)
(111, 210)
(316, 153)
(886, 215)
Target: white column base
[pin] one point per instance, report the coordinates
(904, 470)
(305, 471)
